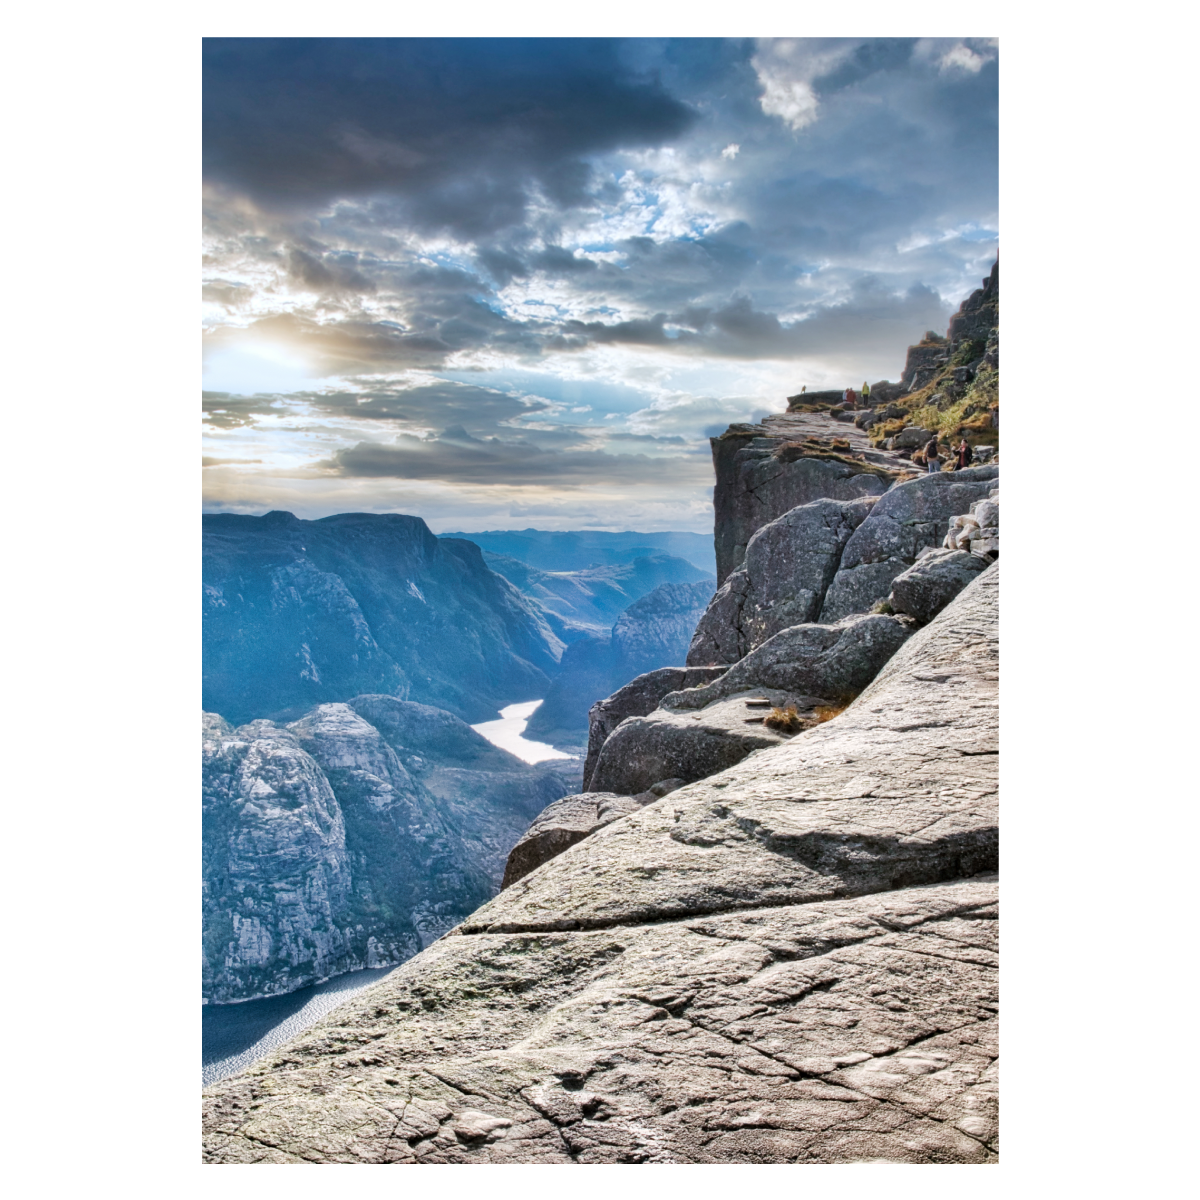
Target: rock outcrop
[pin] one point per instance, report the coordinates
(653, 632)
(792, 960)
(298, 613)
(344, 840)
(933, 581)
(911, 517)
(788, 567)
(691, 745)
(637, 698)
(835, 661)
(757, 481)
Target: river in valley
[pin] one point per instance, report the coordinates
(507, 733)
(235, 1035)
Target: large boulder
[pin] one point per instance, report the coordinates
(933, 581)
(789, 565)
(911, 437)
(817, 660)
(790, 962)
(912, 516)
(636, 699)
(642, 751)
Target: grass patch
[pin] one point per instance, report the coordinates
(786, 720)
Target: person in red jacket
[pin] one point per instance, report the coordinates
(965, 454)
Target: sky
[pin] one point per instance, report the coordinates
(507, 283)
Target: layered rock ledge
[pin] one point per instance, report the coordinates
(790, 961)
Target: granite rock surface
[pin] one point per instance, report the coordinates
(790, 961)
(789, 564)
(638, 698)
(830, 661)
(911, 517)
(933, 581)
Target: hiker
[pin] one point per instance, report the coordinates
(932, 460)
(848, 397)
(965, 455)
(866, 394)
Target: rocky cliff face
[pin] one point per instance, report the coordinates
(653, 632)
(350, 838)
(792, 960)
(303, 612)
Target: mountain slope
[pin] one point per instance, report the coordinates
(302, 612)
(586, 602)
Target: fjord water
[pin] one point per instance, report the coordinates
(507, 734)
(236, 1035)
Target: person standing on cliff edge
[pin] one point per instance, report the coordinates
(932, 461)
(866, 394)
(965, 455)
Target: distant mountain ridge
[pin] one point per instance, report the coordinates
(579, 549)
(585, 603)
(297, 613)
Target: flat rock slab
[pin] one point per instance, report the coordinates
(856, 1030)
(561, 824)
(637, 698)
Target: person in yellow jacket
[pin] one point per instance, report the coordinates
(866, 394)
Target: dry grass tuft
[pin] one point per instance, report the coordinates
(786, 720)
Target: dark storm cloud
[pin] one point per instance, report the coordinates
(460, 128)
(479, 410)
(455, 456)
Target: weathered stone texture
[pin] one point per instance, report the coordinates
(790, 961)
(569, 820)
(933, 581)
(637, 698)
(754, 487)
(688, 746)
(909, 518)
(831, 661)
(788, 567)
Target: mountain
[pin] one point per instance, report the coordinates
(298, 613)
(351, 838)
(586, 602)
(653, 632)
(575, 550)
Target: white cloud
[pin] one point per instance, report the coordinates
(786, 69)
(962, 58)
(731, 151)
